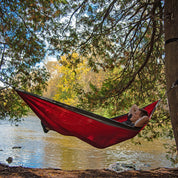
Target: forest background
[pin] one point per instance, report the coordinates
(110, 55)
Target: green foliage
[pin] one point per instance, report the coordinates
(123, 35)
(11, 105)
(25, 25)
(172, 154)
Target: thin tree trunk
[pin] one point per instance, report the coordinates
(171, 49)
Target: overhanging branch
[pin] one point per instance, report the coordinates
(2, 58)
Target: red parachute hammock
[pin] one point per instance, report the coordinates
(94, 129)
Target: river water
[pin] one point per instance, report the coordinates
(30, 147)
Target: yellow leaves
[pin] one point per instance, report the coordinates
(66, 75)
(75, 55)
(63, 58)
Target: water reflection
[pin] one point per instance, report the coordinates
(56, 151)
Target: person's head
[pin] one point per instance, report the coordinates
(143, 112)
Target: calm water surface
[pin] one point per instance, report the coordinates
(33, 148)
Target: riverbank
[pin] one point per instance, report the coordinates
(19, 172)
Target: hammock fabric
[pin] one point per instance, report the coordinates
(94, 129)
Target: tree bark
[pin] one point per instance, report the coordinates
(171, 59)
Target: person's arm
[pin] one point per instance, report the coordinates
(141, 121)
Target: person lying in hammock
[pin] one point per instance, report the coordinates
(137, 117)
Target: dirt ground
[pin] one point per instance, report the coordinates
(21, 172)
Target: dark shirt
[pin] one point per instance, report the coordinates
(128, 121)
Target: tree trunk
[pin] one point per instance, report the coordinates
(171, 58)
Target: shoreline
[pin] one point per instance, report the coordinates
(19, 172)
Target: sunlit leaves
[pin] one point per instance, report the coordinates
(68, 73)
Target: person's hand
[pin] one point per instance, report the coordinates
(134, 117)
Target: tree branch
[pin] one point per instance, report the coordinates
(151, 45)
(109, 9)
(73, 15)
(2, 58)
(152, 41)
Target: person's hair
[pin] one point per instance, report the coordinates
(143, 112)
